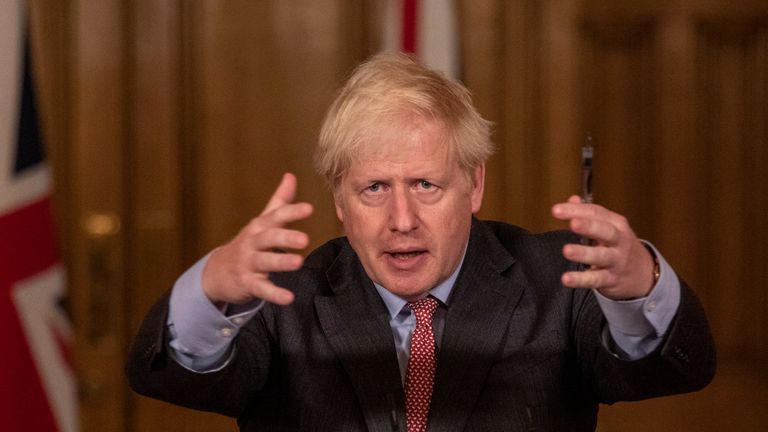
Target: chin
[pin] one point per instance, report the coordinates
(412, 292)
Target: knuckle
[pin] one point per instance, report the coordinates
(261, 262)
(256, 224)
(622, 222)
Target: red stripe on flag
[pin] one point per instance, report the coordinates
(26, 249)
(410, 16)
(27, 241)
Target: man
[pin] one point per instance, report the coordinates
(422, 317)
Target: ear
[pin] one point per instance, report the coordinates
(338, 203)
(478, 187)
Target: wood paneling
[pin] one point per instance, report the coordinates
(264, 74)
(674, 94)
(173, 121)
(98, 126)
(731, 120)
(619, 108)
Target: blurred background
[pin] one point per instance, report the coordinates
(167, 124)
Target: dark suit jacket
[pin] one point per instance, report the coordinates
(519, 351)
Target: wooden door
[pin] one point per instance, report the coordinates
(170, 122)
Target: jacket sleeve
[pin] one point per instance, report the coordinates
(685, 361)
(152, 372)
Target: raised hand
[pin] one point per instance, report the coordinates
(620, 266)
(238, 271)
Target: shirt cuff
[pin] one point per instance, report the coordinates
(200, 333)
(638, 326)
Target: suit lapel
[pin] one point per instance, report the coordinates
(356, 324)
(479, 311)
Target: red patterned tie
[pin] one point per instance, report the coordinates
(420, 375)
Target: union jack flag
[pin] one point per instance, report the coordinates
(428, 29)
(37, 383)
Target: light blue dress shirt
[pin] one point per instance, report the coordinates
(201, 334)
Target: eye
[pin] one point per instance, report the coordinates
(374, 187)
(424, 184)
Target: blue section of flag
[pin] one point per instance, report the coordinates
(29, 148)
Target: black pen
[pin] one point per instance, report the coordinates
(587, 154)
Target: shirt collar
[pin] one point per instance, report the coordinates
(441, 292)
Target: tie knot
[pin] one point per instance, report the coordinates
(424, 308)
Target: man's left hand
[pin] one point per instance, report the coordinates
(618, 264)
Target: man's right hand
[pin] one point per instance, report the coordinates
(238, 271)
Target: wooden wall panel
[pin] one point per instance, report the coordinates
(676, 101)
(501, 67)
(97, 266)
(262, 91)
(48, 26)
(483, 46)
(679, 197)
(618, 108)
(156, 221)
(559, 140)
(731, 132)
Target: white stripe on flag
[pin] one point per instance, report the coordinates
(36, 299)
(438, 36)
(35, 183)
(437, 30)
(393, 26)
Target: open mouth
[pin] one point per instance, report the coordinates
(405, 255)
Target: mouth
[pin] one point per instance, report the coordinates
(405, 255)
(408, 260)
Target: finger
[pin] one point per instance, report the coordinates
(284, 194)
(588, 279)
(597, 256)
(279, 238)
(596, 229)
(562, 210)
(271, 262)
(278, 218)
(284, 215)
(574, 208)
(263, 288)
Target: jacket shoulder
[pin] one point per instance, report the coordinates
(326, 254)
(517, 240)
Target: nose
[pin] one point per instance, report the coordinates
(403, 215)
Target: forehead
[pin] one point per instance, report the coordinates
(402, 139)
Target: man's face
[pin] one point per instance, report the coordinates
(407, 208)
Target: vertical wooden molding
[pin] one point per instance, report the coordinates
(732, 123)
(482, 61)
(521, 116)
(98, 134)
(761, 190)
(560, 143)
(678, 199)
(188, 130)
(619, 107)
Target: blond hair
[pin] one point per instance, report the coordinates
(387, 90)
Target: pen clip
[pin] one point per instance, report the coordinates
(587, 154)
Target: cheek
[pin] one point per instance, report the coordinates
(454, 224)
(360, 226)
